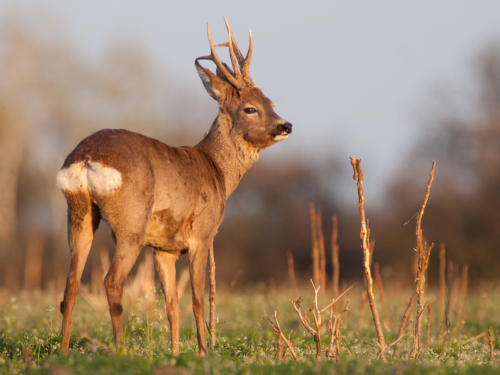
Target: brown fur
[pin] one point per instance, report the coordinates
(171, 199)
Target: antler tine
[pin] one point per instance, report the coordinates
(213, 56)
(245, 66)
(244, 62)
(231, 50)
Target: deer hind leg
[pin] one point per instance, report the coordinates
(165, 263)
(128, 247)
(197, 268)
(83, 220)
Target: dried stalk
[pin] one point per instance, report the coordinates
(365, 241)
(474, 338)
(428, 333)
(447, 323)
(316, 333)
(335, 256)
(337, 331)
(442, 282)
(380, 290)
(211, 261)
(490, 340)
(331, 331)
(321, 249)
(463, 298)
(315, 247)
(423, 252)
(280, 336)
(291, 272)
(364, 298)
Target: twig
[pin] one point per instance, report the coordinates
(277, 329)
(212, 318)
(315, 248)
(362, 309)
(365, 241)
(447, 323)
(337, 299)
(335, 256)
(346, 310)
(473, 338)
(316, 333)
(423, 254)
(428, 335)
(463, 297)
(380, 289)
(442, 282)
(321, 248)
(291, 272)
(490, 340)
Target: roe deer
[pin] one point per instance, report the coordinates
(170, 199)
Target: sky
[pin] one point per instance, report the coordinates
(352, 77)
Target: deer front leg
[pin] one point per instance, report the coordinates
(127, 250)
(197, 267)
(165, 264)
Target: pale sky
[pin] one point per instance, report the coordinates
(351, 76)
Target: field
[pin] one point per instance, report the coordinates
(246, 343)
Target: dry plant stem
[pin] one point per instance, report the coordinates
(463, 298)
(211, 261)
(281, 336)
(423, 254)
(474, 338)
(428, 333)
(331, 330)
(337, 331)
(490, 340)
(335, 256)
(358, 172)
(442, 282)
(316, 333)
(291, 272)
(321, 249)
(362, 309)
(283, 354)
(380, 289)
(315, 247)
(447, 323)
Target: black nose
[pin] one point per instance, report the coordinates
(285, 128)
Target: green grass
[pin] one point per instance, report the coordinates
(30, 329)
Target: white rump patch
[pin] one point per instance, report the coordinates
(103, 180)
(91, 175)
(72, 178)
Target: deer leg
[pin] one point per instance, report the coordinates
(82, 223)
(165, 263)
(123, 261)
(197, 268)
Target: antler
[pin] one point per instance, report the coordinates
(238, 80)
(243, 62)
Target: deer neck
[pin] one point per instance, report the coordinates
(231, 154)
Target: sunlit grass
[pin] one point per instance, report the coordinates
(246, 343)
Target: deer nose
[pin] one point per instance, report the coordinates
(287, 128)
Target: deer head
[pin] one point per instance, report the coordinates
(250, 115)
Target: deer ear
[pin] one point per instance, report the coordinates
(215, 86)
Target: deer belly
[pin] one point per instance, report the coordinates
(165, 233)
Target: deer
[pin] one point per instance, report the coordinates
(171, 199)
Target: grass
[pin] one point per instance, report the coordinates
(246, 343)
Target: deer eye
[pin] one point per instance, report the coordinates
(250, 110)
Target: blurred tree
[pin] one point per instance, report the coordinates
(464, 206)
